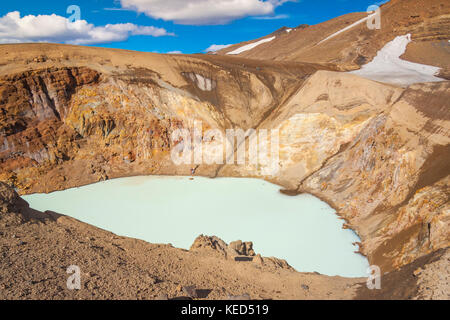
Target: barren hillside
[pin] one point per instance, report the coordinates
(427, 20)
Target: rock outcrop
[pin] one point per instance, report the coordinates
(242, 248)
(236, 251)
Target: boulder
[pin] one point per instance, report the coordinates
(190, 291)
(214, 243)
(242, 248)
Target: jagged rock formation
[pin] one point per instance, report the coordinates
(236, 250)
(242, 248)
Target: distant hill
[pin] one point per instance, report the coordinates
(330, 42)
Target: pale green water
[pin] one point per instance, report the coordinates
(303, 230)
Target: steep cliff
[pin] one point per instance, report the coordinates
(64, 125)
(379, 154)
(392, 181)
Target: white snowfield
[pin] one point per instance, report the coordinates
(250, 46)
(389, 68)
(347, 28)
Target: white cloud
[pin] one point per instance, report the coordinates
(203, 12)
(217, 47)
(175, 52)
(54, 28)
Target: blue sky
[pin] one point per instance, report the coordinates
(176, 28)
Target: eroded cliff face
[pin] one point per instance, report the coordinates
(391, 182)
(378, 153)
(104, 126)
(62, 127)
(325, 114)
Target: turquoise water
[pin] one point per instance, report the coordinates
(302, 229)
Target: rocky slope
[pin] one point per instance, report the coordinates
(70, 122)
(379, 154)
(392, 181)
(427, 20)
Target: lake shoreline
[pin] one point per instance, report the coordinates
(260, 218)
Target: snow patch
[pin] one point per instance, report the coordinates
(250, 46)
(388, 67)
(347, 28)
(288, 30)
(203, 83)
